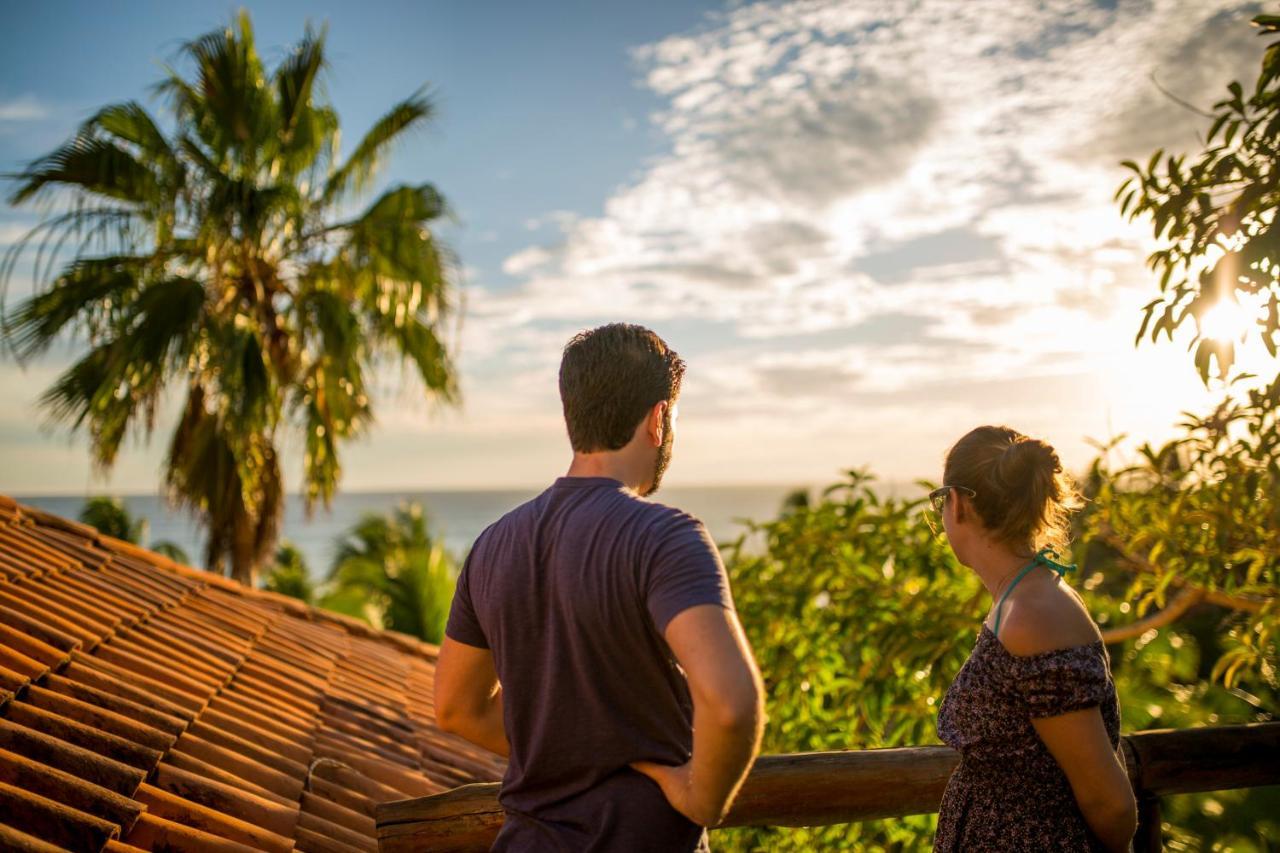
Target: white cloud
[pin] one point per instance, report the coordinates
(11, 232)
(804, 133)
(829, 166)
(25, 108)
(808, 137)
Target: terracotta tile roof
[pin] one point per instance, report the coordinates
(148, 705)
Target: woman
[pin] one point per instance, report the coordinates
(1033, 712)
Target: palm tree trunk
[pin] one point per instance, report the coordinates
(244, 563)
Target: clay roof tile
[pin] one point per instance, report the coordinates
(17, 841)
(97, 673)
(68, 789)
(98, 717)
(77, 760)
(127, 709)
(169, 806)
(102, 742)
(52, 821)
(231, 799)
(157, 833)
(257, 721)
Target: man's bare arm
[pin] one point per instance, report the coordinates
(728, 713)
(468, 697)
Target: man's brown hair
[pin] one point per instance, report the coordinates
(609, 379)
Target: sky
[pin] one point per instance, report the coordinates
(867, 226)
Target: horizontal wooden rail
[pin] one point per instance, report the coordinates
(821, 788)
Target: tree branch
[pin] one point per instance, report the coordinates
(1179, 101)
(1208, 596)
(1184, 601)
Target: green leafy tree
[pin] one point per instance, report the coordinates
(171, 550)
(110, 516)
(216, 256)
(390, 571)
(1196, 522)
(1214, 216)
(860, 618)
(289, 574)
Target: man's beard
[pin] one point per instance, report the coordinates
(664, 454)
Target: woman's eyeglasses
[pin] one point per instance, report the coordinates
(938, 497)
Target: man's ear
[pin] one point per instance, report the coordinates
(657, 423)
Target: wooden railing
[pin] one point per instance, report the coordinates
(821, 788)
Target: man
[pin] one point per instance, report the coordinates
(592, 637)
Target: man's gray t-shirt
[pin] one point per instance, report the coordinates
(572, 593)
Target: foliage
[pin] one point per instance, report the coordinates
(1199, 520)
(1191, 534)
(860, 618)
(172, 550)
(1215, 217)
(215, 257)
(110, 516)
(391, 572)
(289, 574)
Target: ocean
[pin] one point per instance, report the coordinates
(456, 517)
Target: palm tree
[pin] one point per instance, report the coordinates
(110, 516)
(289, 574)
(225, 268)
(390, 571)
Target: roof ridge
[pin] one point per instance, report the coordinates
(278, 601)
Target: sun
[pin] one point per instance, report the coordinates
(1225, 321)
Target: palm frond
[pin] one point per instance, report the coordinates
(335, 407)
(96, 166)
(391, 240)
(87, 224)
(200, 474)
(202, 158)
(71, 397)
(244, 383)
(235, 112)
(295, 78)
(110, 516)
(122, 378)
(370, 537)
(131, 123)
(418, 342)
(90, 291)
(328, 324)
(363, 163)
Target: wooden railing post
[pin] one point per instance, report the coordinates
(1149, 837)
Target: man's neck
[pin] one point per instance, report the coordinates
(614, 465)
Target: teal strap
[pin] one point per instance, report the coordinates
(1047, 558)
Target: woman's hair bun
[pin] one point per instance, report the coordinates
(1025, 463)
(1022, 493)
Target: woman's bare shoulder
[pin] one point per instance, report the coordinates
(1047, 621)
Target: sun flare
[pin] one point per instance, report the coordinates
(1226, 321)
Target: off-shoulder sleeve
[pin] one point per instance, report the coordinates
(1061, 681)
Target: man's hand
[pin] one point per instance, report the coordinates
(728, 714)
(677, 786)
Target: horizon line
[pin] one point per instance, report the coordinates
(385, 490)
